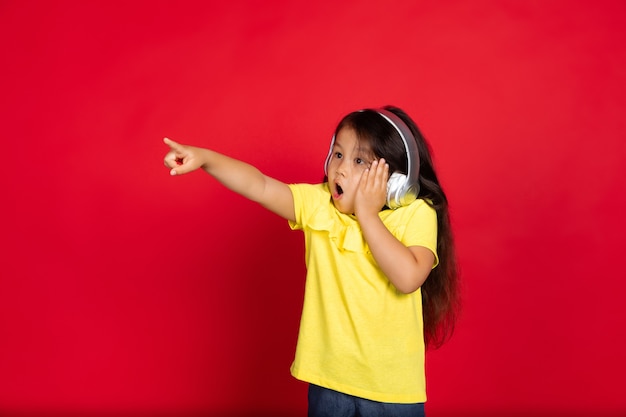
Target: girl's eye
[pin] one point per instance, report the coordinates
(338, 155)
(359, 161)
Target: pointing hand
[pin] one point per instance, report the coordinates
(182, 159)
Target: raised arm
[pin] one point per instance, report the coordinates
(235, 175)
(406, 267)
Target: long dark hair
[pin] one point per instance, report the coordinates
(440, 292)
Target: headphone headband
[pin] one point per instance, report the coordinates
(410, 145)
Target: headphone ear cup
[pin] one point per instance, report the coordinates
(395, 187)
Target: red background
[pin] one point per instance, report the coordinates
(125, 291)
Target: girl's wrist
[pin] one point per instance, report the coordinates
(366, 217)
(203, 155)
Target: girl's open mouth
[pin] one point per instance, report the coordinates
(337, 192)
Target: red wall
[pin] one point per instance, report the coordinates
(125, 291)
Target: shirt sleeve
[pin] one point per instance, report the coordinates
(306, 198)
(420, 227)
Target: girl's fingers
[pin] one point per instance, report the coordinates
(176, 157)
(170, 159)
(372, 189)
(379, 171)
(383, 170)
(173, 145)
(368, 175)
(375, 176)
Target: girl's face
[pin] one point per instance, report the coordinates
(350, 158)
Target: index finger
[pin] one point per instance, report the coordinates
(173, 145)
(383, 169)
(379, 170)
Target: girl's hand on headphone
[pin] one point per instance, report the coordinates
(182, 159)
(371, 194)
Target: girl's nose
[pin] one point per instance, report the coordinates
(341, 167)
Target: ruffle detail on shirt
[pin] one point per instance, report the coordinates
(343, 230)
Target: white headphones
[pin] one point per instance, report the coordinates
(402, 189)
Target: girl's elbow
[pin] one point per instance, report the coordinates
(409, 287)
(410, 284)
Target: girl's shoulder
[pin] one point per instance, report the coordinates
(420, 208)
(310, 191)
(312, 206)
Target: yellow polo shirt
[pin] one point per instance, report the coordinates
(358, 334)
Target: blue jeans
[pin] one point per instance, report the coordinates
(324, 402)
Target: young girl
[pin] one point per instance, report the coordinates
(381, 272)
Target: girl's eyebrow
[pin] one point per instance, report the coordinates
(364, 152)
